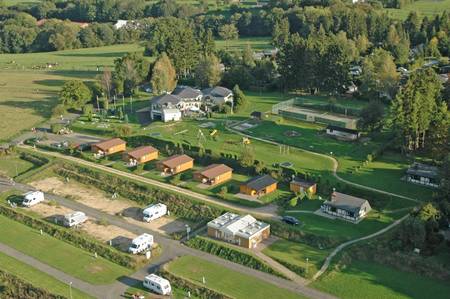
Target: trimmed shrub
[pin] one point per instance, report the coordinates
(12, 286)
(231, 255)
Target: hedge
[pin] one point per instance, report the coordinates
(71, 237)
(231, 255)
(12, 286)
(294, 268)
(196, 290)
(178, 204)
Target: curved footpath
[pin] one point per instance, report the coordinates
(327, 262)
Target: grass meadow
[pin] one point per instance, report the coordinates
(223, 280)
(58, 254)
(363, 279)
(37, 278)
(428, 8)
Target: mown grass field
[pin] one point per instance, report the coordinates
(369, 280)
(58, 254)
(13, 166)
(37, 278)
(428, 8)
(296, 254)
(226, 281)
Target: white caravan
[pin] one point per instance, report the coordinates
(155, 211)
(141, 244)
(32, 198)
(157, 284)
(74, 219)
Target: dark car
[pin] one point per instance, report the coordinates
(290, 220)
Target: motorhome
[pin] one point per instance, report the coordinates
(74, 219)
(154, 211)
(157, 284)
(32, 198)
(141, 244)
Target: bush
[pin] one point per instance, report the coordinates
(12, 286)
(71, 237)
(56, 128)
(231, 255)
(88, 109)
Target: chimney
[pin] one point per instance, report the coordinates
(333, 195)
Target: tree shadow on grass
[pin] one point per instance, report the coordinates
(107, 54)
(78, 74)
(50, 82)
(41, 108)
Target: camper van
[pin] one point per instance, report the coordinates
(74, 219)
(32, 198)
(157, 284)
(141, 244)
(155, 211)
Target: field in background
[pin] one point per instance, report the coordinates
(428, 8)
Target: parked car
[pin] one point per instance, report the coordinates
(290, 220)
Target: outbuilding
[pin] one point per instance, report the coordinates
(214, 174)
(259, 186)
(343, 133)
(299, 185)
(244, 231)
(175, 164)
(173, 114)
(141, 155)
(109, 147)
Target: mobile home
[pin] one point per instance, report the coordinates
(141, 244)
(157, 284)
(74, 219)
(32, 198)
(153, 212)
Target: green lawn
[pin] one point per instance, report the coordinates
(177, 293)
(58, 254)
(37, 278)
(223, 280)
(373, 281)
(257, 43)
(13, 166)
(428, 8)
(344, 230)
(296, 254)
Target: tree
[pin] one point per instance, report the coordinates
(74, 94)
(371, 116)
(106, 82)
(247, 57)
(130, 70)
(280, 35)
(379, 77)
(228, 32)
(240, 101)
(293, 202)
(208, 71)
(163, 77)
(438, 144)
(247, 157)
(123, 130)
(415, 107)
(428, 212)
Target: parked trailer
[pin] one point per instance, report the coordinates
(157, 284)
(32, 198)
(154, 212)
(74, 219)
(141, 244)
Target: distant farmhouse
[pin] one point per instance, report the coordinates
(184, 100)
(423, 174)
(244, 231)
(346, 207)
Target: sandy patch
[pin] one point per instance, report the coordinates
(86, 195)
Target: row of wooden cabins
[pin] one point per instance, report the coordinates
(213, 174)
